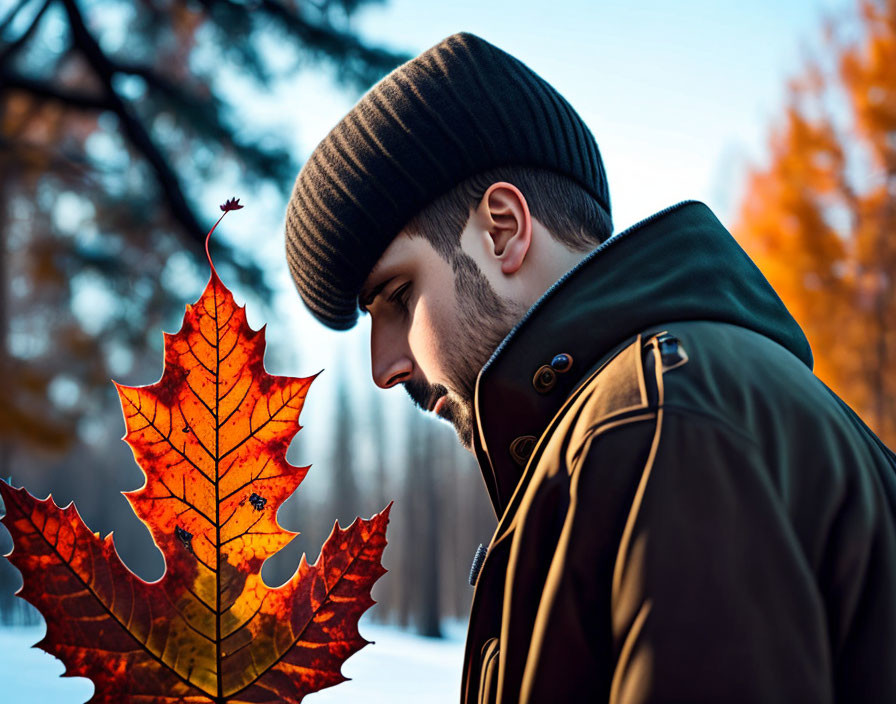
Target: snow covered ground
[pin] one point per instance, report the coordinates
(398, 668)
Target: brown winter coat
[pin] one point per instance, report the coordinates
(687, 513)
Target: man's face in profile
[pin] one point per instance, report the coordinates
(434, 324)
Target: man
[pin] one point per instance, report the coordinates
(686, 513)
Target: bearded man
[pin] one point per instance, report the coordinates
(685, 512)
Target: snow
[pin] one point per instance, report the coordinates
(398, 668)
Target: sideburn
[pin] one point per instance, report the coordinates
(484, 320)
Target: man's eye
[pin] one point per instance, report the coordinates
(400, 296)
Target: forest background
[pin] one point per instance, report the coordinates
(124, 124)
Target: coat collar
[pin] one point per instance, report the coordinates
(678, 264)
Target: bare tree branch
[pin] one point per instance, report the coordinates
(8, 20)
(7, 51)
(46, 90)
(363, 64)
(133, 128)
(71, 165)
(333, 42)
(203, 114)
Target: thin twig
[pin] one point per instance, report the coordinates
(133, 128)
(7, 51)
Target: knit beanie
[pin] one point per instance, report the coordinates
(460, 107)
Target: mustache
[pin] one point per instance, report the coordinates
(422, 394)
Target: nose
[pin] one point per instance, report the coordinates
(390, 361)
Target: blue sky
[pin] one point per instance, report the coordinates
(674, 92)
(679, 96)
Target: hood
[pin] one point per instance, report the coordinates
(678, 264)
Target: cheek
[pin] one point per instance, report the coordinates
(432, 329)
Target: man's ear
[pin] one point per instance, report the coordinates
(505, 213)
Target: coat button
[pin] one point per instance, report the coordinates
(561, 362)
(521, 449)
(478, 559)
(672, 353)
(544, 379)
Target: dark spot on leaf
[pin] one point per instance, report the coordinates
(185, 537)
(257, 501)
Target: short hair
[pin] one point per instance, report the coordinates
(572, 215)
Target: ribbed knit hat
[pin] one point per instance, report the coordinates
(460, 107)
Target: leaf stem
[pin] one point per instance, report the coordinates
(228, 205)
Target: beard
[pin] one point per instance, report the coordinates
(484, 319)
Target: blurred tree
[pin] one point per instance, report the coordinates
(422, 540)
(345, 495)
(112, 120)
(115, 116)
(381, 493)
(468, 520)
(820, 218)
(433, 541)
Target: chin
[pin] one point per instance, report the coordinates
(461, 417)
(465, 437)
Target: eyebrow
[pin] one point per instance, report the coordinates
(366, 300)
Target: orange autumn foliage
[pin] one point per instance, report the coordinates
(211, 438)
(820, 218)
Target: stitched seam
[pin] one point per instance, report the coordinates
(719, 421)
(484, 679)
(595, 429)
(615, 422)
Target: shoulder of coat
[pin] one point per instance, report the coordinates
(629, 383)
(619, 385)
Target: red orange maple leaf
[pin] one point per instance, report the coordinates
(211, 437)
